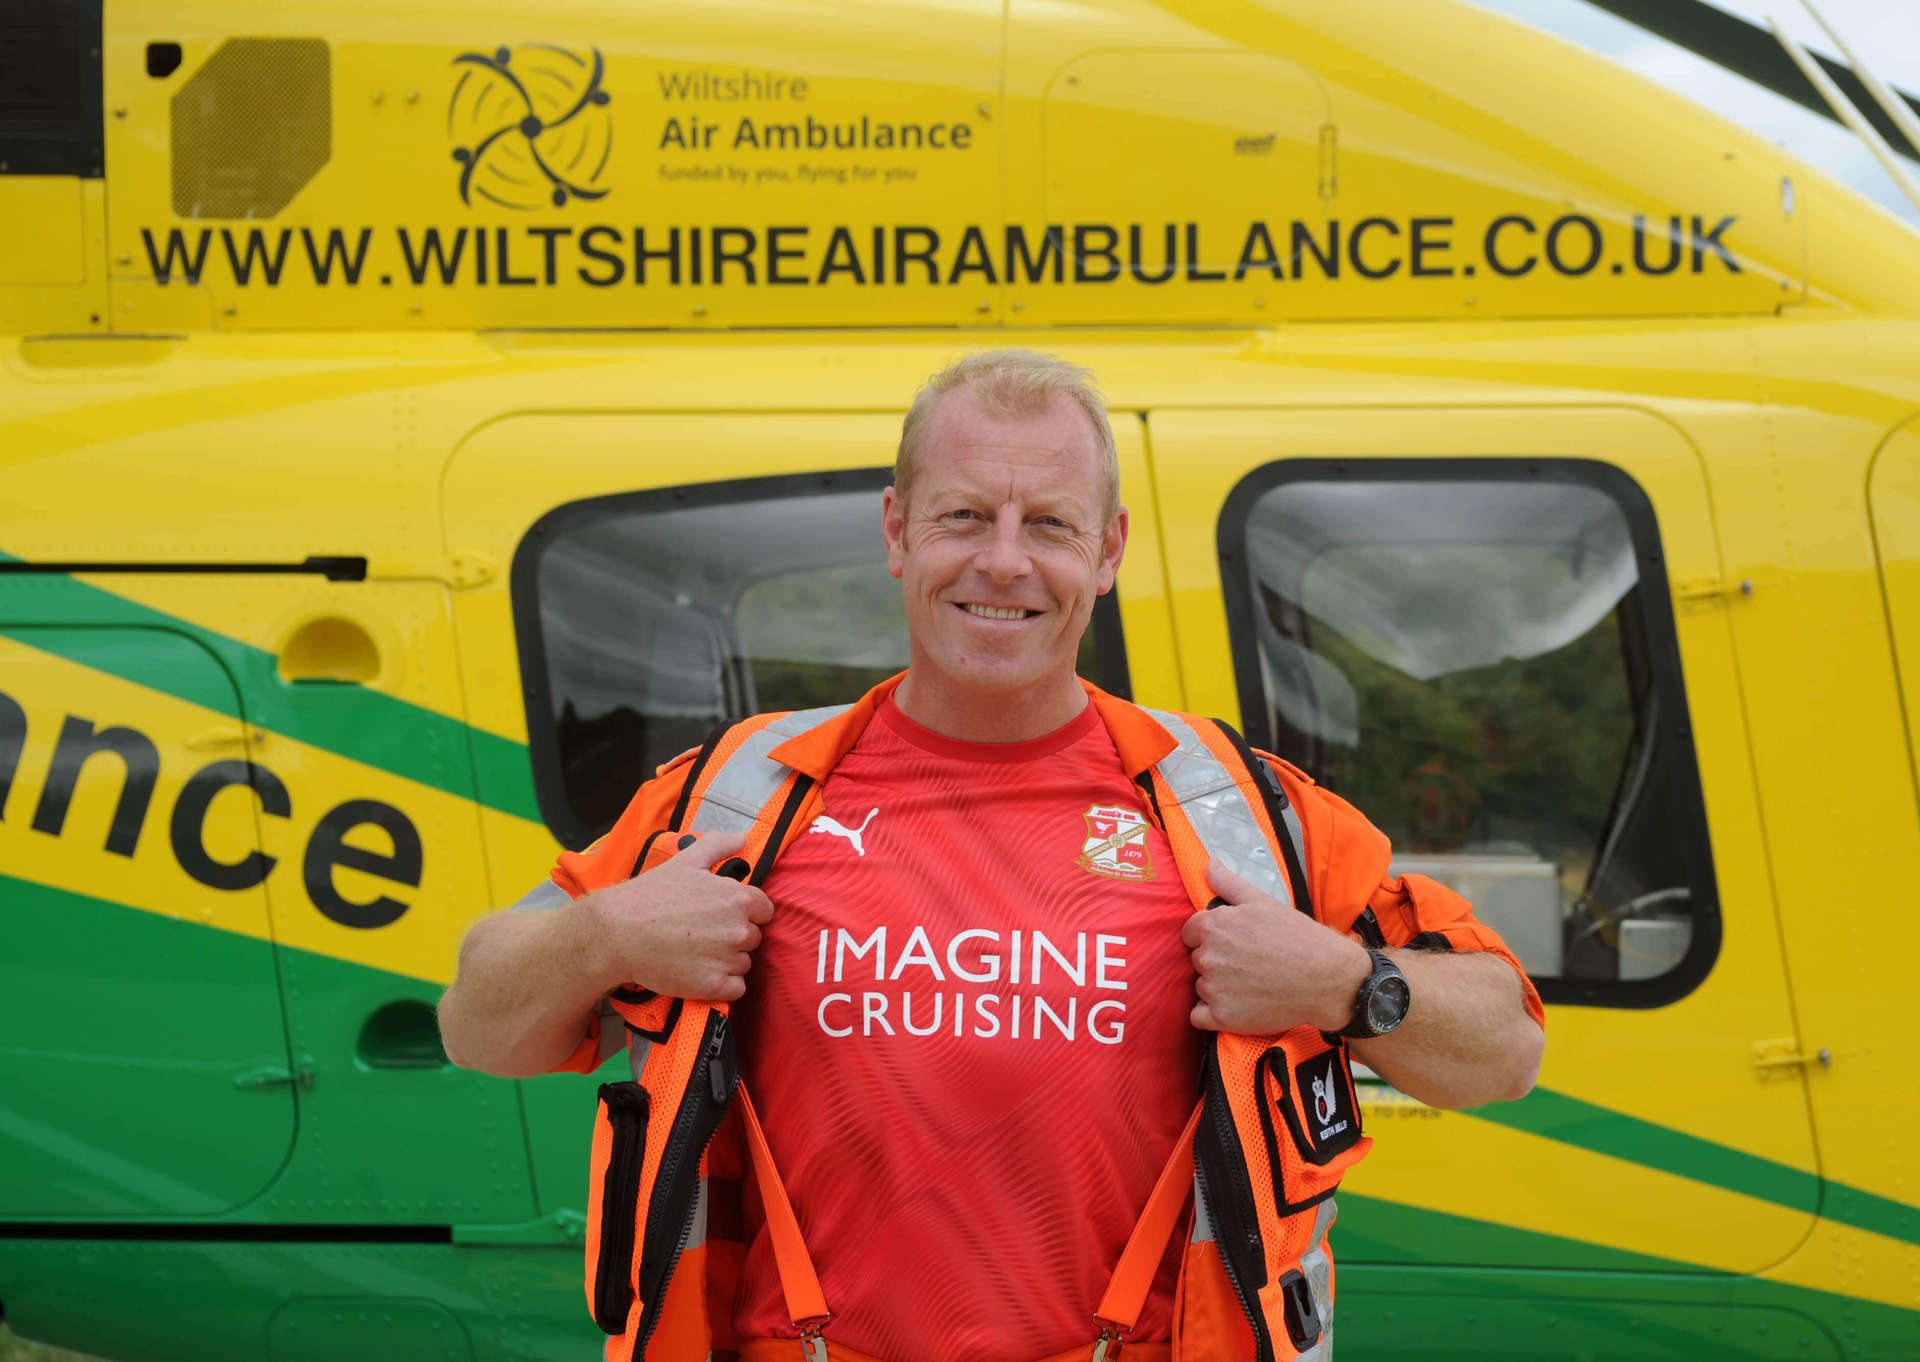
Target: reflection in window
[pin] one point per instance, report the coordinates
(1467, 662)
(662, 614)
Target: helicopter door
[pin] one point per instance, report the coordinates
(1500, 634)
(144, 1066)
(1894, 490)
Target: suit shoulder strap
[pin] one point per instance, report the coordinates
(735, 784)
(1218, 798)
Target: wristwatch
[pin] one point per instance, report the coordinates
(1382, 1002)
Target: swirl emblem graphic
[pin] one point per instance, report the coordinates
(530, 126)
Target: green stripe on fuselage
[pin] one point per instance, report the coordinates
(1568, 1120)
(1601, 1130)
(341, 717)
(408, 740)
(1403, 1294)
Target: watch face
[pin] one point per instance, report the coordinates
(1387, 1004)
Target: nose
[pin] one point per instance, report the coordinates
(1004, 556)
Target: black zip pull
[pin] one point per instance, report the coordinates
(715, 1078)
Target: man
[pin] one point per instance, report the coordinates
(967, 1132)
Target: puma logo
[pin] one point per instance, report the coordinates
(835, 829)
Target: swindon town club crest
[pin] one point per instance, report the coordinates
(1116, 843)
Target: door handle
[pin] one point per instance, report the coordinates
(1775, 1056)
(226, 735)
(276, 1076)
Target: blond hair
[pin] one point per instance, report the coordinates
(1011, 382)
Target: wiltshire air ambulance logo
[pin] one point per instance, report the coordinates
(1116, 843)
(530, 126)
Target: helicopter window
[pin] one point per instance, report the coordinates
(1481, 657)
(646, 618)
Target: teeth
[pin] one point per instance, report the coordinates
(994, 612)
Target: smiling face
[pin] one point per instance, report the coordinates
(1000, 556)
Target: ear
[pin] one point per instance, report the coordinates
(893, 529)
(1112, 549)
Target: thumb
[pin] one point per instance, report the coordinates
(709, 849)
(1228, 885)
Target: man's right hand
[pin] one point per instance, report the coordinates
(679, 930)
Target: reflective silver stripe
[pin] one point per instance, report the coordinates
(546, 894)
(1314, 1265)
(1321, 1351)
(638, 1048)
(1323, 1218)
(613, 1030)
(698, 1234)
(1318, 1270)
(1202, 1226)
(1222, 816)
(1319, 1273)
(750, 777)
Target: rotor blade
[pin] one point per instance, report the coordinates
(1749, 50)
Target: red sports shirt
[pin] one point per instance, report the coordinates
(967, 1034)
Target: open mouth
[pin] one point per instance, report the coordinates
(996, 612)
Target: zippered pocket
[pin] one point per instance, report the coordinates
(613, 1210)
(1310, 1116)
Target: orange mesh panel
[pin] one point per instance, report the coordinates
(648, 1016)
(1189, 852)
(729, 744)
(665, 1077)
(1285, 1237)
(1239, 1056)
(1208, 1323)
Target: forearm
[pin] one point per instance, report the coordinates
(1467, 1037)
(523, 995)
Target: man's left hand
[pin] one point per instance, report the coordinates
(1263, 967)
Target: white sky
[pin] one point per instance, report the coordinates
(1885, 32)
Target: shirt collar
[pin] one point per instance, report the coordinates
(1140, 740)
